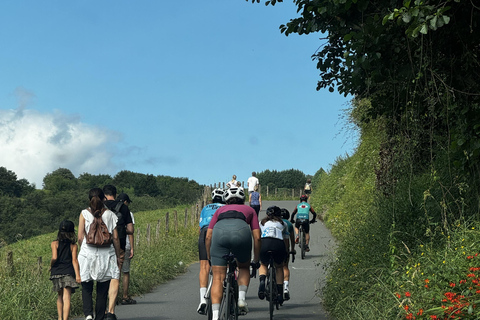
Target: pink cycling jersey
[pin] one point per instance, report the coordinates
(249, 213)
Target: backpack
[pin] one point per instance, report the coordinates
(121, 226)
(98, 234)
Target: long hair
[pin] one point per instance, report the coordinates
(271, 218)
(97, 207)
(66, 236)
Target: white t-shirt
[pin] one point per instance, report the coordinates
(252, 182)
(232, 184)
(274, 229)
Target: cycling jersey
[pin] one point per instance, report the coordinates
(289, 226)
(274, 229)
(207, 213)
(303, 210)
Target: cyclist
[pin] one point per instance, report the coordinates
(205, 216)
(303, 209)
(231, 230)
(274, 238)
(291, 244)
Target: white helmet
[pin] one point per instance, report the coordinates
(218, 193)
(234, 193)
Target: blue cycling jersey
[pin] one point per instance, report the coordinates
(207, 213)
(289, 226)
(303, 210)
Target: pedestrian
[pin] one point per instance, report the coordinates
(255, 200)
(126, 299)
(64, 270)
(232, 183)
(124, 228)
(99, 264)
(307, 190)
(252, 182)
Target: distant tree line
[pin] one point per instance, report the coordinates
(289, 179)
(26, 211)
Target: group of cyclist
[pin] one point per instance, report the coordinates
(227, 225)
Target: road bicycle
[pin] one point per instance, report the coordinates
(229, 305)
(302, 238)
(271, 290)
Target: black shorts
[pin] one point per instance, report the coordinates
(308, 191)
(202, 249)
(275, 245)
(305, 223)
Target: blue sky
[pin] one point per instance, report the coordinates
(196, 89)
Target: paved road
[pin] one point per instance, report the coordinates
(179, 298)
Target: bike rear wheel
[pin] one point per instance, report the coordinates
(302, 242)
(208, 297)
(272, 290)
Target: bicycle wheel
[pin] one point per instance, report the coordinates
(233, 315)
(208, 297)
(302, 241)
(271, 290)
(225, 304)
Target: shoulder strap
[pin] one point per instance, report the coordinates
(118, 206)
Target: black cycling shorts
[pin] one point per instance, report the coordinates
(231, 235)
(202, 249)
(305, 223)
(275, 245)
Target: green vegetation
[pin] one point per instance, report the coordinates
(405, 206)
(26, 212)
(27, 292)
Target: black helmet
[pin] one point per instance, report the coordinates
(303, 198)
(285, 214)
(274, 211)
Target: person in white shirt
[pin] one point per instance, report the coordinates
(252, 182)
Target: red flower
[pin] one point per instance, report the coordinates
(452, 284)
(398, 295)
(407, 294)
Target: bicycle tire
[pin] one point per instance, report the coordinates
(233, 305)
(225, 304)
(208, 297)
(302, 242)
(271, 286)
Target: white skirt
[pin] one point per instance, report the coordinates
(99, 264)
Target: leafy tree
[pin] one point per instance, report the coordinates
(10, 186)
(59, 180)
(88, 181)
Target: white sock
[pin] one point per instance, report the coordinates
(285, 284)
(203, 291)
(215, 311)
(242, 292)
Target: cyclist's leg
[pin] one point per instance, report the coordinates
(218, 248)
(306, 227)
(217, 288)
(286, 278)
(204, 269)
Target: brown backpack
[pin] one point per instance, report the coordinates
(98, 234)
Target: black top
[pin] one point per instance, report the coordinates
(127, 218)
(63, 265)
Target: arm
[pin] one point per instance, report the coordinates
(249, 199)
(257, 243)
(81, 229)
(74, 249)
(54, 246)
(292, 241)
(314, 215)
(130, 238)
(293, 215)
(116, 245)
(260, 200)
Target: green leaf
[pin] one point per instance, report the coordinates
(446, 19)
(348, 37)
(433, 22)
(406, 17)
(406, 3)
(424, 29)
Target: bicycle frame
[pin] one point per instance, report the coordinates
(208, 298)
(271, 285)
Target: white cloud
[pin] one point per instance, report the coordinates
(33, 144)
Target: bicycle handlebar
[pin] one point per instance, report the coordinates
(254, 266)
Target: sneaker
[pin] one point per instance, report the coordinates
(242, 307)
(111, 316)
(89, 317)
(286, 294)
(261, 290)
(202, 308)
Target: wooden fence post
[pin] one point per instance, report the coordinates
(148, 234)
(193, 215)
(167, 222)
(267, 191)
(157, 231)
(175, 216)
(137, 242)
(276, 190)
(185, 222)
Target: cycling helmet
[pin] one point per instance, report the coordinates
(274, 211)
(303, 198)
(285, 214)
(218, 193)
(234, 193)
